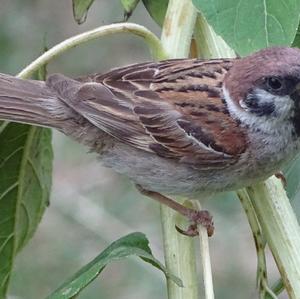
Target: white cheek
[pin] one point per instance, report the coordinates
(272, 138)
(236, 111)
(283, 107)
(283, 104)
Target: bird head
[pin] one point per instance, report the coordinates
(263, 89)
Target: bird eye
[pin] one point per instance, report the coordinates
(274, 83)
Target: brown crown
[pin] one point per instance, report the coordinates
(245, 72)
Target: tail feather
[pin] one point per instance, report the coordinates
(31, 102)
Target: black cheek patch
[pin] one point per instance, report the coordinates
(260, 109)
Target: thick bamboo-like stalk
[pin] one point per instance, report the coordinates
(260, 244)
(179, 250)
(205, 257)
(178, 28)
(180, 256)
(280, 229)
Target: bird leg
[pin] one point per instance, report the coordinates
(196, 217)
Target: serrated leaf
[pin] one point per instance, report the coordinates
(25, 180)
(251, 25)
(135, 244)
(157, 10)
(129, 6)
(80, 9)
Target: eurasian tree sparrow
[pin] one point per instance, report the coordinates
(178, 127)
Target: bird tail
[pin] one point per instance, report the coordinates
(31, 102)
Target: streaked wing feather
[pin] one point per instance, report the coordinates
(162, 108)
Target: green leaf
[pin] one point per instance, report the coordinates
(296, 42)
(80, 9)
(129, 6)
(133, 244)
(251, 25)
(25, 181)
(157, 10)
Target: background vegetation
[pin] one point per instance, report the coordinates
(92, 206)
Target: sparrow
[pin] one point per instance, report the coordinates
(187, 127)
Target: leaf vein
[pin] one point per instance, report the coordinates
(11, 155)
(5, 220)
(236, 20)
(9, 189)
(266, 22)
(8, 238)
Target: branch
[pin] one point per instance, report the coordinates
(152, 41)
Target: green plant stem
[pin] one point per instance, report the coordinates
(205, 257)
(281, 230)
(209, 44)
(179, 250)
(180, 256)
(152, 41)
(260, 244)
(277, 288)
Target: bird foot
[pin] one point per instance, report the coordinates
(198, 217)
(194, 216)
(279, 175)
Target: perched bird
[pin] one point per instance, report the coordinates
(176, 127)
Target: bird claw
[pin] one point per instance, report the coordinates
(198, 217)
(279, 175)
(192, 230)
(195, 217)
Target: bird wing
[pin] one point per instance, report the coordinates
(172, 108)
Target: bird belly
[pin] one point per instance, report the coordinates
(172, 177)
